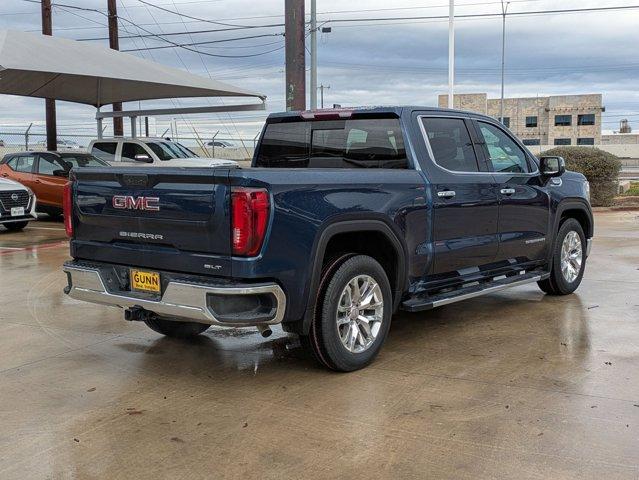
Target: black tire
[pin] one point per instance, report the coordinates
(557, 284)
(16, 226)
(174, 329)
(53, 212)
(324, 338)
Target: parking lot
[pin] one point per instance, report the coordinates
(510, 385)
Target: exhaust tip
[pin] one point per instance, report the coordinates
(265, 330)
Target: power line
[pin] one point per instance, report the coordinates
(192, 32)
(207, 42)
(160, 37)
(183, 15)
(486, 15)
(394, 19)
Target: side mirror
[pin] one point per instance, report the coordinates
(552, 166)
(144, 158)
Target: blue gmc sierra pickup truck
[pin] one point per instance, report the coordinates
(346, 216)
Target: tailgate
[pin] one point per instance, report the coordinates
(177, 209)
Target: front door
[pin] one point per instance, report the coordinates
(51, 176)
(524, 203)
(465, 205)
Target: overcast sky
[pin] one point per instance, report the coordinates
(377, 62)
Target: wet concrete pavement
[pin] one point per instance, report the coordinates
(511, 385)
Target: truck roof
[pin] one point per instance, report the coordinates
(363, 110)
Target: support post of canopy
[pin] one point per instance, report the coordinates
(99, 123)
(134, 121)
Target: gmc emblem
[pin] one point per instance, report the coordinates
(127, 202)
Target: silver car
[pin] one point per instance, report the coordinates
(17, 205)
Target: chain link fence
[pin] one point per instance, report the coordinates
(240, 149)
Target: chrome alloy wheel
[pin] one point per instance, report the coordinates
(571, 256)
(360, 313)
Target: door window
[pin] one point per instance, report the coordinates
(104, 150)
(504, 154)
(450, 143)
(22, 164)
(48, 165)
(130, 150)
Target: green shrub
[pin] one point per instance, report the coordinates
(599, 167)
(633, 191)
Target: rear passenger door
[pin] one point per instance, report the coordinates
(524, 202)
(465, 204)
(21, 169)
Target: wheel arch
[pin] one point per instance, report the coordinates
(580, 211)
(339, 231)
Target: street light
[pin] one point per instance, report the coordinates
(504, 10)
(451, 53)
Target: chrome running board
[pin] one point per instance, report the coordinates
(422, 302)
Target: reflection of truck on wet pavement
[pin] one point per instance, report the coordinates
(347, 216)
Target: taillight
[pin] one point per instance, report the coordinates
(67, 208)
(249, 217)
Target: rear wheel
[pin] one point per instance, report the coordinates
(15, 226)
(171, 328)
(568, 260)
(353, 314)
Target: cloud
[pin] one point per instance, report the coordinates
(377, 62)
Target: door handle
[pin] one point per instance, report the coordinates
(5, 175)
(446, 194)
(507, 191)
(38, 181)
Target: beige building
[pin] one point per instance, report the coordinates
(620, 139)
(554, 120)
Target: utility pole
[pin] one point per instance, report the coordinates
(295, 55)
(451, 54)
(114, 43)
(47, 29)
(504, 10)
(313, 54)
(321, 89)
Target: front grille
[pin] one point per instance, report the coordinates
(17, 198)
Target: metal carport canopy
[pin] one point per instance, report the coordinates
(51, 67)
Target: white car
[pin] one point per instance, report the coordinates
(156, 152)
(17, 205)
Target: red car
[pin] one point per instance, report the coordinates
(46, 173)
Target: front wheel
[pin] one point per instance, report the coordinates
(171, 328)
(568, 260)
(15, 226)
(353, 314)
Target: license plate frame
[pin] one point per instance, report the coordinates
(145, 281)
(17, 211)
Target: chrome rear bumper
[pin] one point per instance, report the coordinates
(181, 301)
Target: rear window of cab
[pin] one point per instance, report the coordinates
(356, 143)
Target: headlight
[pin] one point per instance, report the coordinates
(587, 190)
